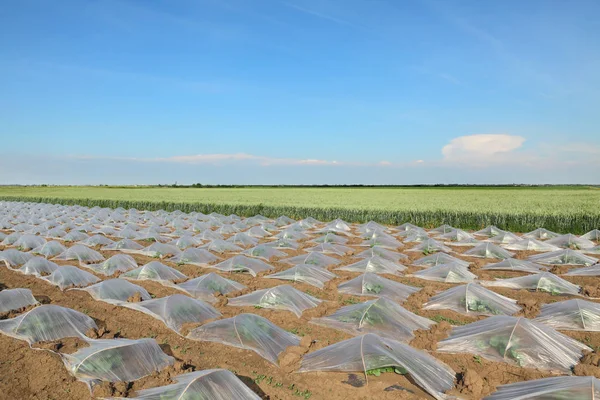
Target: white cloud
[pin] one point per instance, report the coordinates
(482, 149)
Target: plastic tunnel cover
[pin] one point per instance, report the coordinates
(448, 273)
(309, 274)
(513, 264)
(13, 258)
(205, 286)
(572, 315)
(376, 265)
(438, 258)
(564, 257)
(382, 316)
(116, 360)
(312, 258)
(47, 322)
(192, 256)
(243, 264)
(69, 276)
(283, 297)
(543, 282)
(516, 341)
(248, 331)
(377, 251)
(176, 310)
(81, 253)
(154, 271)
(214, 384)
(38, 266)
(488, 250)
(124, 245)
(116, 291)
(49, 249)
(560, 387)
(264, 252)
(370, 351)
(472, 299)
(370, 284)
(541, 234)
(15, 299)
(117, 263)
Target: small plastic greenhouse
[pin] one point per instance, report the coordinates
(542, 282)
(291, 234)
(283, 244)
(370, 352)
(594, 234)
(312, 258)
(185, 242)
(214, 384)
(489, 231)
(160, 250)
(472, 299)
(531, 245)
(512, 264)
(205, 286)
(430, 246)
(564, 257)
(283, 297)
(117, 263)
(28, 242)
(115, 291)
(416, 236)
(438, 258)
(13, 258)
(442, 229)
(504, 238)
(97, 240)
(330, 238)
(221, 246)
(328, 248)
(197, 257)
(10, 240)
(447, 273)
(305, 273)
(488, 250)
(154, 271)
(407, 226)
(176, 310)
(337, 225)
(455, 235)
(242, 264)
(38, 267)
(264, 252)
(81, 253)
(370, 284)
(518, 341)
(75, 236)
(382, 316)
(570, 241)
(250, 332)
(593, 270)
(571, 315)
(376, 265)
(377, 251)
(554, 388)
(15, 299)
(242, 239)
(125, 245)
(541, 234)
(49, 249)
(69, 276)
(592, 250)
(47, 322)
(116, 360)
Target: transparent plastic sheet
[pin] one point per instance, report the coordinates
(154, 271)
(468, 242)
(437, 259)
(504, 238)
(15, 299)
(369, 352)
(205, 286)
(291, 234)
(337, 225)
(248, 331)
(592, 250)
(68, 276)
(282, 297)
(125, 245)
(81, 253)
(258, 232)
(160, 250)
(593, 270)
(115, 291)
(542, 282)
(38, 266)
(117, 263)
(416, 236)
(126, 234)
(384, 241)
(570, 241)
(264, 252)
(283, 220)
(96, 240)
(283, 244)
(407, 226)
(13, 258)
(564, 257)
(472, 299)
(448, 273)
(488, 250)
(517, 341)
(176, 310)
(455, 235)
(9, 240)
(328, 248)
(116, 360)
(430, 246)
(49, 249)
(572, 315)
(594, 234)
(541, 234)
(197, 257)
(309, 274)
(243, 239)
(312, 258)
(221, 246)
(242, 264)
(330, 238)
(489, 231)
(554, 388)
(382, 316)
(185, 242)
(387, 254)
(370, 284)
(75, 236)
(442, 229)
(47, 322)
(151, 235)
(28, 242)
(376, 265)
(531, 245)
(371, 226)
(512, 264)
(213, 384)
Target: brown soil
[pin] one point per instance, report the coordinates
(35, 373)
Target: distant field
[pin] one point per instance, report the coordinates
(564, 208)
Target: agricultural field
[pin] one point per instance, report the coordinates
(110, 302)
(574, 209)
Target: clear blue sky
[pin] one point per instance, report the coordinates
(299, 91)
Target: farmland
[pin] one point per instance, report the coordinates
(574, 209)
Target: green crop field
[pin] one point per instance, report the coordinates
(573, 209)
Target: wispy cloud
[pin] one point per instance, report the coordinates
(322, 15)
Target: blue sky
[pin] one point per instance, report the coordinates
(299, 91)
